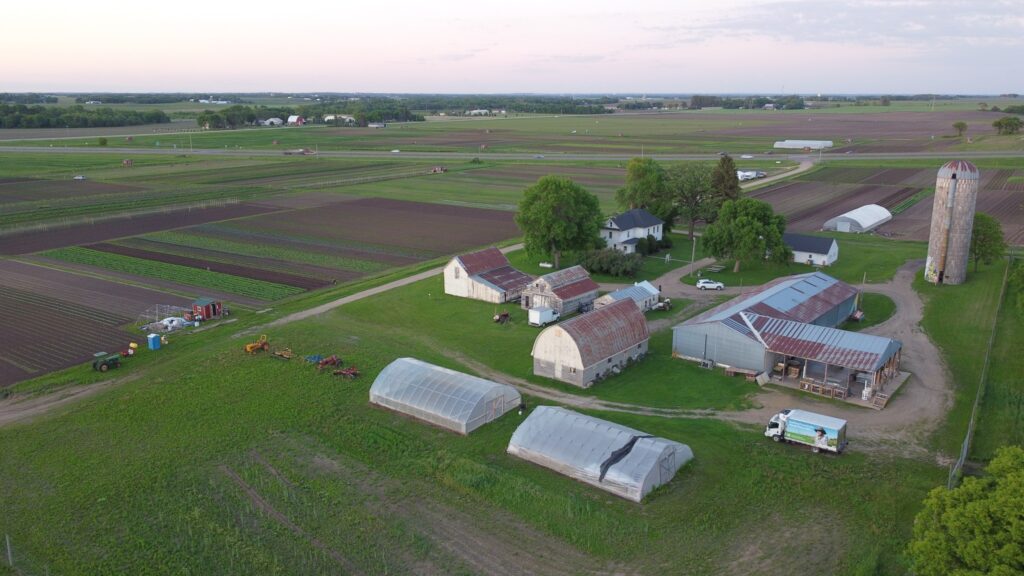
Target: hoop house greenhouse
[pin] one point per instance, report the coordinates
(444, 397)
(623, 461)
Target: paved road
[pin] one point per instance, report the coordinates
(547, 157)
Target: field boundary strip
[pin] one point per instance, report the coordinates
(956, 469)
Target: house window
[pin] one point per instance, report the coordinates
(457, 269)
(609, 233)
(572, 370)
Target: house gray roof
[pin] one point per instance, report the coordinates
(637, 293)
(635, 218)
(805, 243)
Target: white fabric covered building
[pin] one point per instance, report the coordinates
(620, 460)
(440, 396)
(863, 219)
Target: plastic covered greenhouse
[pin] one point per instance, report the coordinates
(444, 397)
(623, 461)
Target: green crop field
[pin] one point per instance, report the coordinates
(186, 275)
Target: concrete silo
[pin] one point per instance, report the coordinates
(949, 244)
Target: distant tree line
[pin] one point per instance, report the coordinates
(27, 98)
(1015, 109)
(781, 102)
(533, 104)
(21, 116)
(169, 98)
(364, 111)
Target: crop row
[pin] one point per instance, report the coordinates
(265, 250)
(259, 289)
(251, 230)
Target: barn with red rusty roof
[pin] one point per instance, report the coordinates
(564, 291)
(485, 275)
(787, 329)
(588, 347)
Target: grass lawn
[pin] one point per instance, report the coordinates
(1001, 418)
(654, 266)
(191, 468)
(877, 309)
(861, 257)
(958, 319)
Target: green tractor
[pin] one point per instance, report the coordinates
(103, 361)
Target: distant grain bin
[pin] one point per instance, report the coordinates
(949, 244)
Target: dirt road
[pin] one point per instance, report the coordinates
(18, 408)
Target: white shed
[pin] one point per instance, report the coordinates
(863, 219)
(620, 460)
(812, 250)
(443, 397)
(643, 293)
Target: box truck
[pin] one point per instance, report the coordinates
(818, 431)
(542, 316)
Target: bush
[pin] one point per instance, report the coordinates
(102, 141)
(665, 243)
(643, 247)
(611, 262)
(652, 244)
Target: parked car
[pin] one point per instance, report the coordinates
(709, 284)
(79, 177)
(746, 156)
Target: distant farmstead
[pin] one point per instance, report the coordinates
(623, 231)
(564, 291)
(485, 275)
(813, 250)
(588, 347)
(295, 120)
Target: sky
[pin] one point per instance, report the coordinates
(538, 46)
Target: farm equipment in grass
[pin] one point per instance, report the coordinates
(331, 360)
(503, 318)
(284, 354)
(261, 344)
(103, 361)
(351, 372)
(665, 304)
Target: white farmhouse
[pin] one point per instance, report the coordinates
(622, 232)
(485, 275)
(813, 250)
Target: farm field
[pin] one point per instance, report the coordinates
(814, 197)
(41, 334)
(694, 131)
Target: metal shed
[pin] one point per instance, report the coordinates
(444, 397)
(863, 219)
(620, 460)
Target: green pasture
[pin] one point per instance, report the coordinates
(959, 319)
(152, 460)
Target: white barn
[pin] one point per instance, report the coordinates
(801, 144)
(446, 398)
(588, 347)
(623, 231)
(620, 460)
(863, 219)
(485, 275)
(644, 294)
(812, 250)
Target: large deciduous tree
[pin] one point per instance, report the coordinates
(691, 192)
(1008, 125)
(724, 180)
(557, 215)
(747, 229)
(987, 240)
(645, 188)
(976, 528)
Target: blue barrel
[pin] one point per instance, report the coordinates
(154, 341)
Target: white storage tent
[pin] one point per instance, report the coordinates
(623, 461)
(862, 219)
(444, 397)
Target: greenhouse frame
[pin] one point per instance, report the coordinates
(620, 460)
(443, 397)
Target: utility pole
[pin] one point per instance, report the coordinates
(10, 557)
(693, 253)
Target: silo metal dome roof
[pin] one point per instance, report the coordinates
(963, 170)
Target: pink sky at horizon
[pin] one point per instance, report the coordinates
(777, 46)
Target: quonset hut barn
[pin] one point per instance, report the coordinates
(863, 219)
(949, 242)
(620, 460)
(440, 396)
(786, 328)
(582, 350)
